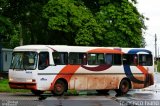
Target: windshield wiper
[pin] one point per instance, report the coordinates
(24, 67)
(15, 64)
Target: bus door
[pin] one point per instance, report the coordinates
(44, 71)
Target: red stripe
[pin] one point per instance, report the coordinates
(104, 50)
(142, 69)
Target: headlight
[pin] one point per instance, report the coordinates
(29, 80)
(10, 79)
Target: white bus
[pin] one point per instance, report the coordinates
(57, 68)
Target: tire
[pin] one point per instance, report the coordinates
(37, 92)
(123, 87)
(102, 91)
(59, 88)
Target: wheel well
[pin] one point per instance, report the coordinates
(65, 82)
(130, 85)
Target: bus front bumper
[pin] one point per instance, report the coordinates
(22, 85)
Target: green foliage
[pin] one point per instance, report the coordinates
(98, 23)
(89, 34)
(72, 92)
(122, 24)
(68, 17)
(71, 22)
(5, 30)
(26, 19)
(14, 38)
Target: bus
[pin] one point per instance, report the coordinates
(58, 68)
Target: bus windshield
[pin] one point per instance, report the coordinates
(24, 60)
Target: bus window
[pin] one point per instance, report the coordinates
(109, 59)
(43, 60)
(145, 60)
(77, 58)
(60, 58)
(24, 60)
(117, 59)
(130, 59)
(100, 59)
(96, 59)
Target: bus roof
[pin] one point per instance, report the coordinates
(65, 48)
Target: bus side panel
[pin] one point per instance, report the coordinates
(136, 85)
(84, 79)
(96, 82)
(78, 82)
(45, 77)
(89, 80)
(148, 81)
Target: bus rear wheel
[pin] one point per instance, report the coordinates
(59, 88)
(37, 92)
(123, 87)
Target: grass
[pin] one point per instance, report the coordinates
(4, 87)
(72, 92)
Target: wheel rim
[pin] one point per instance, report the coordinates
(125, 87)
(59, 88)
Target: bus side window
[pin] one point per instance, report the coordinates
(92, 59)
(43, 60)
(77, 58)
(130, 59)
(145, 60)
(109, 59)
(60, 58)
(96, 59)
(100, 58)
(117, 59)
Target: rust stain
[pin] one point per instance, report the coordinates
(96, 82)
(78, 82)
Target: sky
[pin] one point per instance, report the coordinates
(151, 10)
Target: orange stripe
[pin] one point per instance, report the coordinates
(104, 50)
(71, 69)
(142, 69)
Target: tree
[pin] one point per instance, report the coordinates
(26, 16)
(67, 17)
(96, 22)
(5, 25)
(71, 22)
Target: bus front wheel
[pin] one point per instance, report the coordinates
(37, 92)
(123, 87)
(59, 88)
